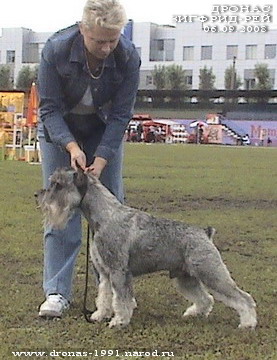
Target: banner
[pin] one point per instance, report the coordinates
(11, 102)
(214, 134)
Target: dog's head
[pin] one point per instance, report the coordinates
(65, 193)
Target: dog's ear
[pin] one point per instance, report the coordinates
(81, 181)
(210, 231)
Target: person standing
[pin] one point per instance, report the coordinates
(88, 80)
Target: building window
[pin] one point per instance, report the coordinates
(149, 80)
(10, 56)
(30, 53)
(231, 52)
(249, 79)
(270, 51)
(251, 52)
(249, 84)
(188, 52)
(272, 77)
(162, 50)
(206, 52)
(160, 45)
(188, 80)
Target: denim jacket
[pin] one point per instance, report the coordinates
(64, 78)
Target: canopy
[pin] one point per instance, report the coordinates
(32, 106)
(198, 123)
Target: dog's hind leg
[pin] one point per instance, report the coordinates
(194, 291)
(215, 276)
(103, 300)
(231, 295)
(123, 300)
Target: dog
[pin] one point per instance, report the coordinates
(129, 242)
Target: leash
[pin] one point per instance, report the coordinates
(87, 313)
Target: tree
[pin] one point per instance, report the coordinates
(170, 77)
(26, 77)
(175, 76)
(206, 79)
(159, 77)
(5, 78)
(228, 79)
(262, 74)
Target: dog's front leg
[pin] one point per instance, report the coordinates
(123, 302)
(104, 297)
(103, 300)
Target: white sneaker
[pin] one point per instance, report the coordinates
(53, 306)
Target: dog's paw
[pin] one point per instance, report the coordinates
(248, 319)
(251, 325)
(98, 316)
(134, 303)
(191, 311)
(118, 323)
(204, 310)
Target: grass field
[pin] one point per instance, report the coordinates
(230, 188)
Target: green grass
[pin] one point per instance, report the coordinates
(230, 188)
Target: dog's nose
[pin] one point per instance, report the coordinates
(39, 193)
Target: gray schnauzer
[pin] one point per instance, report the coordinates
(129, 242)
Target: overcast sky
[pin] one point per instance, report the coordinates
(51, 15)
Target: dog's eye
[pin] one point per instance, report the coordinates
(58, 186)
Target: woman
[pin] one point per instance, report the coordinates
(88, 79)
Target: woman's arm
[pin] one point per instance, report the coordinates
(121, 110)
(52, 105)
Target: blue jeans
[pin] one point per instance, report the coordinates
(61, 247)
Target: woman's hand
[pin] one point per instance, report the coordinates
(78, 157)
(97, 166)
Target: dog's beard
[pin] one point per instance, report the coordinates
(58, 208)
(55, 216)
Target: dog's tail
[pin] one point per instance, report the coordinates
(210, 231)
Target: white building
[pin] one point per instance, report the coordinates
(20, 47)
(185, 44)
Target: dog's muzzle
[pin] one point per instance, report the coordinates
(38, 196)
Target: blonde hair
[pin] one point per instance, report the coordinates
(109, 14)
